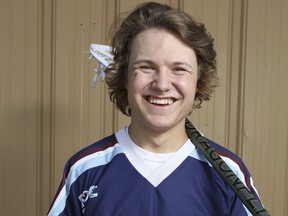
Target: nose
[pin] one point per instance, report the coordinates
(162, 81)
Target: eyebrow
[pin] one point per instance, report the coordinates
(177, 63)
(183, 63)
(139, 61)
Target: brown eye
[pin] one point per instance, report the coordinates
(146, 68)
(179, 70)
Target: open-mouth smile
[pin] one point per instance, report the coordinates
(160, 101)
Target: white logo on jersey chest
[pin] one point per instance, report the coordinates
(86, 195)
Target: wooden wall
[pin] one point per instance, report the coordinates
(48, 110)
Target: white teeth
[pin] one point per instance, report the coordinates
(161, 101)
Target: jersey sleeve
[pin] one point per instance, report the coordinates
(66, 200)
(237, 165)
(76, 186)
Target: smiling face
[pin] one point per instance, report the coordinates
(161, 83)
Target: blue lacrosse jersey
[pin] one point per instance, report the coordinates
(100, 180)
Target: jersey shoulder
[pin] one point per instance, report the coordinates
(97, 147)
(226, 153)
(99, 153)
(233, 161)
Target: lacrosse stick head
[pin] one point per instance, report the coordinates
(104, 57)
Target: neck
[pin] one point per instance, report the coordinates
(162, 141)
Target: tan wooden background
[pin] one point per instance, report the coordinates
(48, 110)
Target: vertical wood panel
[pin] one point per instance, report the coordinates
(45, 176)
(235, 76)
(265, 101)
(20, 99)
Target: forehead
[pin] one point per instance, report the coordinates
(160, 44)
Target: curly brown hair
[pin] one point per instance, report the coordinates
(186, 28)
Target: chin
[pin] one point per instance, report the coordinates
(162, 123)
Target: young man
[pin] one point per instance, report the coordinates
(164, 65)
